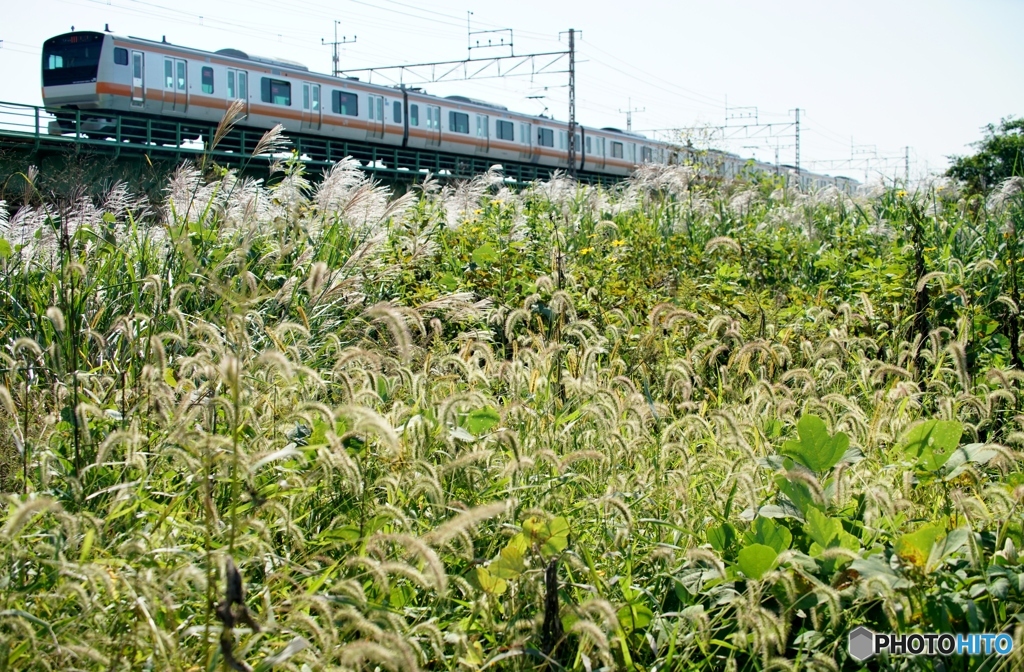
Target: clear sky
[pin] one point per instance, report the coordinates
(871, 77)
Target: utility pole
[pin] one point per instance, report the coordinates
(629, 113)
(344, 40)
(796, 140)
(906, 167)
(572, 102)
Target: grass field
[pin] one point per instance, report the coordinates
(674, 425)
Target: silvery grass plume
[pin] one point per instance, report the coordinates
(743, 200)
(289, 195)
(246, 202)
(273, 142)
(1007, 193)
(463, 200)
(36, 230)
(188, 196)
(232, 116)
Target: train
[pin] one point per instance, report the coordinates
(101, 71)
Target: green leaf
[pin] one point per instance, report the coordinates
(488, 582)
(797, 492)
(756, 559)
(915, 547)
(550, 537)
(484, 255)
(931, 443)
(449, 282)
(5, 249)
(169, 377)
(481, 420)
(722, 537)
(510, 563)
(816, 449)
(634, 617)
(821, 529)
(766, 531)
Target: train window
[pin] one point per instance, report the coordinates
(316, 97)
(414, 115)
(588, 144)
(120, 56)
(616, 150)
(397, 112)
(275, 91)
(458, 122)
(632, 152)
(646, 154)
(345, 103)
(483, 123)
(579, 142)
(563, 140)
(180, 75)
(305, 96)
(169, 74)
(231, 84)
(545, 137)
(524, 133)
(506, 130)
(243, 85)
(207, 73)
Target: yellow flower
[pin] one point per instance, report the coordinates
(585, 251)
(497, 201)
(618, 243)
(901, 194)
(477, 211)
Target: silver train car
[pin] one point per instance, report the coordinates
(95, 72)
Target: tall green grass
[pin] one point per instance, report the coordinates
(670, 425)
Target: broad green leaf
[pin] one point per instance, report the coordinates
(484, 255)
(510, 563)
(766, 531)
(797, 492)
(820, 528)
(978, 453)
(169, 377)
(722, 537)
(756, 559)
(931, 443)
(816, 449)
(489, 583)
(549, 537)
(449, 282)
(634, 617)
(5, 249)
(915, 547)
(481, 420)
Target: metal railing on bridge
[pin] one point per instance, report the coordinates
(35, 128)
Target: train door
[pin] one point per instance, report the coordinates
(433, 126)
(376, 115)
(138, 79)
(312, 115)
(483, 133)
(526, 138)
(175, 85)
(238, 88)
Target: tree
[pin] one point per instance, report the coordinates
(1000, 155)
